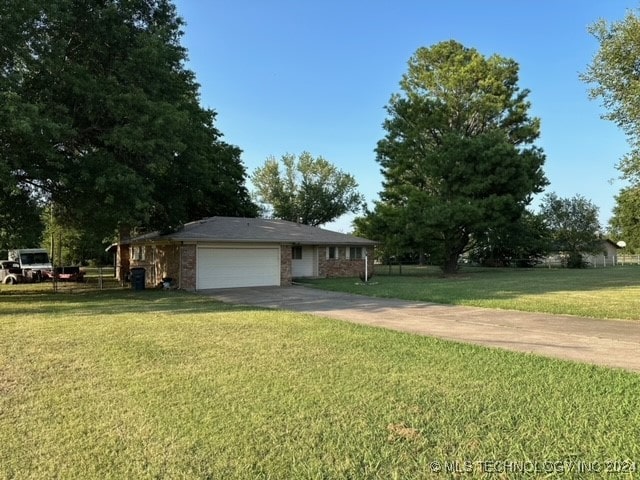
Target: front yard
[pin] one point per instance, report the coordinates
(593, 292)
(157, 384)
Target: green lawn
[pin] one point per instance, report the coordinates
(154, 384)
(594, 292)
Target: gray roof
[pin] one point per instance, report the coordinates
(245, 230)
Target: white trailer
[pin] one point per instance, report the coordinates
(34, 262)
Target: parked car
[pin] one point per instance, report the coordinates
(11, 273)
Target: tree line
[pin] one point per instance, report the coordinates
(102, 133)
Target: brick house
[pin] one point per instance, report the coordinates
(224, 252)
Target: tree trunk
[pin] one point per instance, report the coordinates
(122, 254)
(450, 264)
(453, 248)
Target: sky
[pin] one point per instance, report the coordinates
(287, 76)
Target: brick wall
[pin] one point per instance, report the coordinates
(188, 274)
(167, 263)
(142, 258)
(158, 262)
(285, 265)
(342, 266)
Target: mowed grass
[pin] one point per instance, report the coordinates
(612, 293)
(155, 384)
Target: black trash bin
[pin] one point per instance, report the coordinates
(137, 278)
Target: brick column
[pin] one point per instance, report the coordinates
(188, 267)
(285, 265)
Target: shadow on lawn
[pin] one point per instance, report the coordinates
(107, 302)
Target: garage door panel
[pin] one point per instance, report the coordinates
(237, 267)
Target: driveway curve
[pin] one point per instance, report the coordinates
(612, 343)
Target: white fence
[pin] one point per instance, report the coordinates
(628, 259)
(600, 261)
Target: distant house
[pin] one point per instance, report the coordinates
(607, 257)
(224, 252)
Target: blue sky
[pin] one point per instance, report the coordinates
(288, 76)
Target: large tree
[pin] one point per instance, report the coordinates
(384, 225)
(625, 223)
(458, 157)
(20, 219)
(523, 243)
(310, 190)
(100, 117)
(573, 224)
(614, 75)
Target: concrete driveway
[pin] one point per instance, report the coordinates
(613, 343)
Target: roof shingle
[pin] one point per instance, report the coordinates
(246, 230)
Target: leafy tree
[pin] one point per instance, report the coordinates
(71, 246)
(458, 158)
(614, 72)
(310, 190)
(574, 226)
(523, 243)
(99, 116)
(20, 223)
(625, 223)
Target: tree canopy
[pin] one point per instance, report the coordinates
(625, 223)
(99, 116)
(523, 243)
(574, 225)
(20, 222)
(310, 190)
(614, 75)
(458, 158)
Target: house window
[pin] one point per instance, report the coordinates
(138, 253)
(332, 253)
(355, 253)
(296, 253)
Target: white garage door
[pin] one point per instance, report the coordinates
(237, 267)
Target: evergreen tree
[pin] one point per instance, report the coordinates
(458, 157)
